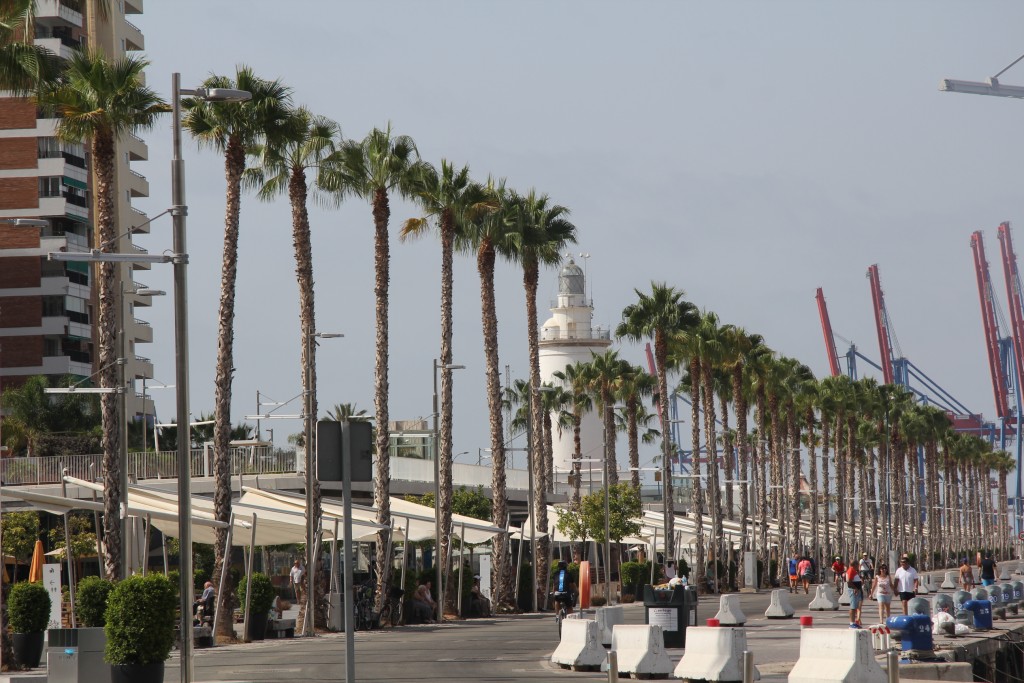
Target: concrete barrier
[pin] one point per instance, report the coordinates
(922, 586)
(580, 647)
(713, 654)
(824, 599)
(729, 612)
(607, 618)
(836, 656)
(1004, 574)
(641, 650)
(779, 607)
(950, 580)
(844, 597)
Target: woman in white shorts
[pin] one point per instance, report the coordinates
(882, 589)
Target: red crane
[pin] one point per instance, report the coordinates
(826, 328)
(1013, 294)
(881, 324)
(988, 319)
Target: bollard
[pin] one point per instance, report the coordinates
(893, 666)
(748, 666)
(714, 622)
(806, 621)
(613, 667)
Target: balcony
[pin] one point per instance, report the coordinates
(136, 147)
(140, 367)
(139, 250)
(133, 40)
(587, 334)
(139, 221)
(58, 13)
(141, 332)
(138, 185)
(55, 45)
(133, 7)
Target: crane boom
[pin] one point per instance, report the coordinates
(826, 329)
(988, 319)
(1013, 294)
(881, 324)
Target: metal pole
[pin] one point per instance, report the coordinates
(122, 429)
(607, 524)
(654, 555)
(892, 665)
(178, 212)
(67, 548)
(248, 579)
(145, 545)
(748, 666)
(462, 543)
(308, 622)
(613, 667)
(439, 590)
(533, 513)
(346, 493)
(335, 578)
(96, 521)
(223, 573)
(145, 421)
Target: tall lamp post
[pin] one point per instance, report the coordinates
(437, 492)
(309, 418)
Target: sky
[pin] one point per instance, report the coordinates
(744, 152)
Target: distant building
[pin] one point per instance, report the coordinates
(567, 337)
(47, 308)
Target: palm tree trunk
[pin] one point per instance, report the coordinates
(760, 457)
(714, 486)
(632, 406)
(812, 461)
(382, 478)
(106, 328)
(234, 164)
(744, 475)
(827, 497)
(728, 460)
(445, 452)
(661, 363)
(841, 489)
(794, 468)
(540, 498)
(501, 565)
(301, 241)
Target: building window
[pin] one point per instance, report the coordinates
(53, 306)
(49, 186)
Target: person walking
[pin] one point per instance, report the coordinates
(805, 570)
(882, 589)
(906, 582)
(792, 563)
(855, 591)
(966, 575)
(298, 578)
(988, 570)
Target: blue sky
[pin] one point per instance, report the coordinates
(745, 152)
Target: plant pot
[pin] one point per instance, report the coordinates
(137, 673)
(28, 648)
(257, 629)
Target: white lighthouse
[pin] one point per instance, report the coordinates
(568, 336)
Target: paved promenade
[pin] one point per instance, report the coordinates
(514, 648)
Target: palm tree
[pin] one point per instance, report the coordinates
(373, 169)
(24, 66)
(307, 143)
(231, 129)
(450, 198)
(575, 376)
(541, 230)
(485, 234)
(346, 412)
(634, 385)
(98, 101)
(659, 316)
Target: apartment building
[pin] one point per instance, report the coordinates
(47, 308)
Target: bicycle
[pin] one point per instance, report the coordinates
(391, 613)
(365, 616)
(560, 600)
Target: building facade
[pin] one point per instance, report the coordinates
(47, 308)
(568, 337)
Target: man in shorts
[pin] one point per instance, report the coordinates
(792, 563)
(906, 582)
(855, 591)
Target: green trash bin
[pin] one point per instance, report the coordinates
(673, 609)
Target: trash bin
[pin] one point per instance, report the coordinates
(673, 609)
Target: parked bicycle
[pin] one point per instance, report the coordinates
(365, 616)
(391, 614)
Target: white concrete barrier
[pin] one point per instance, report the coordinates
(580, 647)
(641, 650)
(729, 612)
(1004, 574)
(836, 656)
(824, 598)
(714, 654)
(844, 597)
(779, 607)
(607, 618)
(950, 581)
(922, 585)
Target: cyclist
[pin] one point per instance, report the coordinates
(565, 589)
(839, 573)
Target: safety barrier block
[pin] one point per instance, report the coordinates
(824, 599)
(607, 618)
(641, 650)
(922, 586)
(729, 612)
(779, 607)
(844, 597)
(1004, 574)
(713, 654)
(580, 647)
(950, 580)
(836, 656)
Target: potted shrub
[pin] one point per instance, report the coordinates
(91, 601)
(259, 605)
(28, 612)
(140, 620)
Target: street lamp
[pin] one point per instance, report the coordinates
(437, 492)
(178, 212)
(311, 519)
